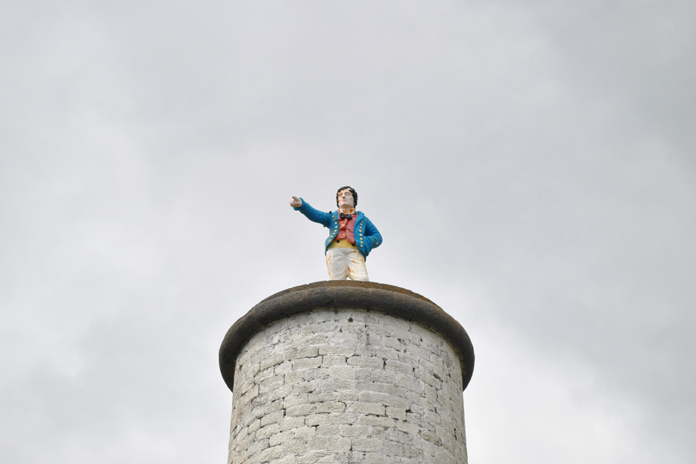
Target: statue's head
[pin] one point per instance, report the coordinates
(346, 196)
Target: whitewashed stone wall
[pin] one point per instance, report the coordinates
(347, 387)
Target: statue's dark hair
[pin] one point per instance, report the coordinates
(352, 191)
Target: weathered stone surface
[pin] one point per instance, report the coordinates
(347, 386)
(337, 295)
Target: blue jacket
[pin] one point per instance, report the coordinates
(367, 236)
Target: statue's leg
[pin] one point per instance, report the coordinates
(337, 263)
(356, 266)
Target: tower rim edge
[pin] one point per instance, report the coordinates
(346, 294)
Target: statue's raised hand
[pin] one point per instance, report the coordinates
(295, 202)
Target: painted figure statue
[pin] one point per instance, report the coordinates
(351, 235)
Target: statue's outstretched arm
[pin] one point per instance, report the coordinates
(312, 214)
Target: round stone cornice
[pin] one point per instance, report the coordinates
(345, 294)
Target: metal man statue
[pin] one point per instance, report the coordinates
(351, 235)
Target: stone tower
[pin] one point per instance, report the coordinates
(347, 372)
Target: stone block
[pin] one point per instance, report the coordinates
(330, 407)
(383, 398)
(300, 410)
(365, 444)
(318, 419)
(295, 400)
(267, 431)
(271, 361)
(306, 363)
(407, 427)
(354, 430)
(396, 413)
(282, 368)
(366, 408)
(275, 452)
(275, 416)
(305, 433)
(376, 421)
(368, 362)
(334, 360)
(289, 423)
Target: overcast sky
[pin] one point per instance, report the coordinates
(530, 164)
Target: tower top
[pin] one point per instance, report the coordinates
(345, 294)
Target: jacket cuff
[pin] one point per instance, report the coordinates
(303, 203)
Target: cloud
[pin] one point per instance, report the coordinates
(527, 164)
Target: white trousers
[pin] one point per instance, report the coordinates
(344, 263)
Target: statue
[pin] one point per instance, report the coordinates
(351, 235)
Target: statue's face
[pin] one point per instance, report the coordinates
(345, 199)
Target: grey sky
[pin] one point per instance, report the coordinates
(529, 164)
